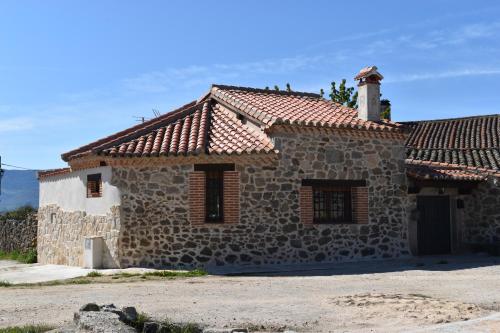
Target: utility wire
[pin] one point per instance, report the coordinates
(14, 166)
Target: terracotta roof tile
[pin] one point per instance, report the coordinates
(429, 172)
(279, 107)
(208, 128)
(469, 142)
(52, 172)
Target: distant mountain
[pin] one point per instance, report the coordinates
(19, 187)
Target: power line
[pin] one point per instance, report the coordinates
(14, 166)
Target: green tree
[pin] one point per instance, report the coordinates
(321, 92)
(276, 88)
(385, 106)
(288, 88)
(267, 88)
(18, 214)
(344, 95)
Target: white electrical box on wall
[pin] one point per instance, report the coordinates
(92, 252)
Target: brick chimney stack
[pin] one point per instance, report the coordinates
(369, 93)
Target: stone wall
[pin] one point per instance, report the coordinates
(156, 230)
(61, 235)
(18, 235)
(482, 213)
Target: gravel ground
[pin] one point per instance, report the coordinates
(379, 297)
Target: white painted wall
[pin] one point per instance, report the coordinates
(69, 192)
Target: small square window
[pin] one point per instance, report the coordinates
(332, 205)
(332, 201)
(52, 217)
(94, 186)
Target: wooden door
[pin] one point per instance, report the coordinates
(434, 225)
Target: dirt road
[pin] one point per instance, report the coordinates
(398, 299)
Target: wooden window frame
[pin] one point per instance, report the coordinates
(214, 183)
(324, 202)
(324, 192)
(94, 185)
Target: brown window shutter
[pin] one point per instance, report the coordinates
(306, 204)
(231, 196)
(197, 197)
(359, 196)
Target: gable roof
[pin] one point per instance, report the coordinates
(211, 126)
(469, 142)
(272, 107)
(207, 128)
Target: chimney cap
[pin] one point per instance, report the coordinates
(369, 72)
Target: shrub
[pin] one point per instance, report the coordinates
(29, 257)
(142, 318)
(19, 214)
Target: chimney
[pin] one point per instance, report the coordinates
(369, 93)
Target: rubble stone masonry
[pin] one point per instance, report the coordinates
(482, 213)
(158, 229)
(18, 235)
(61, 235)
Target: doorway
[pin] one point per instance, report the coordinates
(434, 225)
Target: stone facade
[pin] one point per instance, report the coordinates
(156, 230)
(482, 214)
(18, 235)
(61, 235)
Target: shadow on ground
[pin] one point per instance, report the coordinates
(438, 263)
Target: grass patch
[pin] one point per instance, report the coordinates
(180, 328)
(5, 284)
(97, 277)
(142, 318)
(166, 326)
(94, 274)
(27, 329)
(28, 257)
(168, 274)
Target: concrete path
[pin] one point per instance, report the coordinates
(15, 272)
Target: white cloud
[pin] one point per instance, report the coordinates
(442, 75)
(16, 124)
(187, 77)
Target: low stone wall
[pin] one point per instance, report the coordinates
(61, 235)
(18, 235)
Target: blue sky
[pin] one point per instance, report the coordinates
(74, 71)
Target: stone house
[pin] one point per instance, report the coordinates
(453, 167)
(246, 176)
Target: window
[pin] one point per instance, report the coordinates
(214, 190)
(332, 205)
(332, 200)
(94, 186)
(214, 182)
